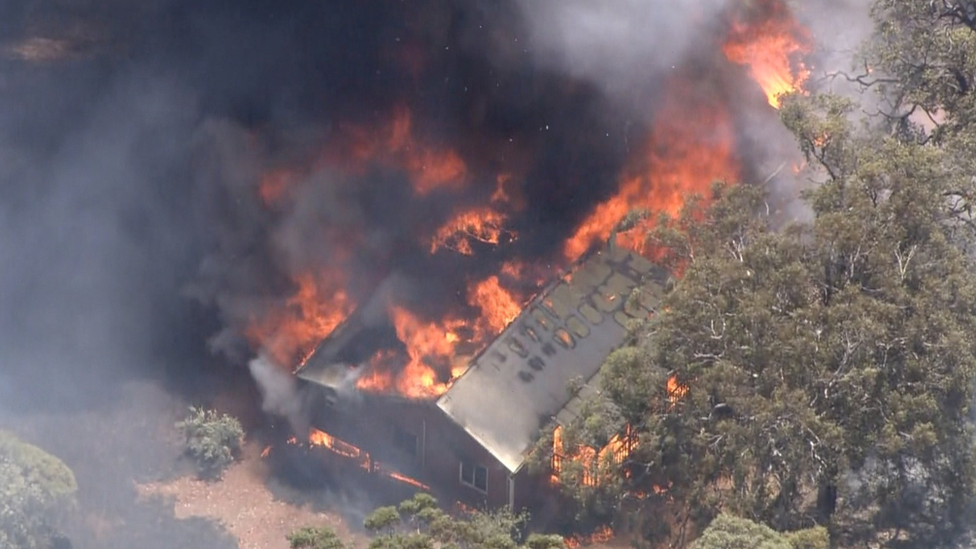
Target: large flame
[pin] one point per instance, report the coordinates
(498, 307)
(290, 333)
(429, 345)
(769, 42)
(692, 146)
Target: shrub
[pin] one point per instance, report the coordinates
(314, 538)
(212, 440)
(36, 489)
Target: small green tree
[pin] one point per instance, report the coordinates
(311, 537)
(728, 532)
(213, 440)
(383, 520)
(35, 490)
(419, 524)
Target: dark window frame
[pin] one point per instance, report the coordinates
(474, 476)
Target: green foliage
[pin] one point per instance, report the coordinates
(213, 440)
(418, 505)
(36, 488)
(418, 523)
(544, 541)
(829, 365)
(383, 519)
(314, 538)
(728, 532)
(810, 538)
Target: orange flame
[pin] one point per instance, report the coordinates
(266, 452)
(379, 377)
(289, 334)
(319, 438)
(615, 451)
(676, 391)
(478, 225)
(601, 535)
(400, 477)
(396, 145)
(437, 352)
(769, 43)
(427, 343)
(692, 146)
(498, 307)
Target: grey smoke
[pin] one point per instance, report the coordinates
(279, 392)
(620, 44)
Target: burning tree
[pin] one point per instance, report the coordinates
(828, 366)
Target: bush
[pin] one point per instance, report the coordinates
(36, 488)
(728, 532)
(314, 538)
(212, 440)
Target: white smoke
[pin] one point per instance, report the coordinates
(279, 392)
(619, 43)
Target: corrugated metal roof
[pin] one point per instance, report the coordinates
(520, 382)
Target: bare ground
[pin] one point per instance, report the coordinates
(242, 502)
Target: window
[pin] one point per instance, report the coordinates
(475, 476)
(405, 441)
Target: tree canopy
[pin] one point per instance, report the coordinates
(728, 532)
(418, 523)
(829, 365)
(35, 489)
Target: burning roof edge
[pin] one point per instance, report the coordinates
(326, 366)
(519, 383)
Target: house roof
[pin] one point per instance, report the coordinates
(520, 382)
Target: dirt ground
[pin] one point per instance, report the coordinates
(246, 507)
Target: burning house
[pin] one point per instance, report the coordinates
(472, 442)
(397, 261)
